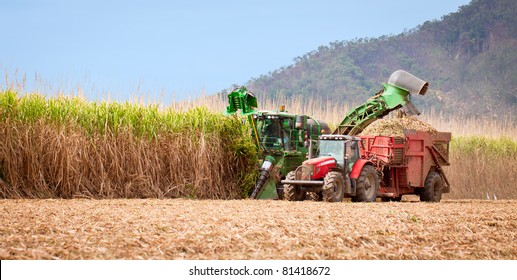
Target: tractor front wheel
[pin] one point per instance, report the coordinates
(432, 191)
(367, 185)
(334, 187)
(292, 192)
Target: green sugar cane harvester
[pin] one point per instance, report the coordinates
(283, 140)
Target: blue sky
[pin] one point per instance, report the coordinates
(177, 49)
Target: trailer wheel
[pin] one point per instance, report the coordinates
(292, 192)
(334, 187)
(367, 185)
(432, 191)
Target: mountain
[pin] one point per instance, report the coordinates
(469, 58)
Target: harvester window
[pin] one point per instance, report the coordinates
(271, 133)
(315, 131)
(288, 137)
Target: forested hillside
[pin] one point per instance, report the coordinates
(469, 58)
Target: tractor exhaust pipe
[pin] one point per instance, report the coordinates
(409, 82)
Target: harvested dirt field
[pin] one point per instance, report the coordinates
(246, 229)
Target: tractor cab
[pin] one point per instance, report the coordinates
(344, 149)
(336, 152)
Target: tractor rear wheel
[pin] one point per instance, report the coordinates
(293, 192)
(334, 187)
(367, 185)
(432, 191)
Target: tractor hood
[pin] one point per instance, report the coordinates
(320, 166)
(320, 161)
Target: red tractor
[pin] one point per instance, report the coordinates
(368, 167)
(337, 171)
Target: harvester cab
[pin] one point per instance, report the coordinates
(344, 149)
(283, 140)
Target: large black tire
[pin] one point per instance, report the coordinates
(433, 187)
(334, 187)
(367, 185)
(293, 192)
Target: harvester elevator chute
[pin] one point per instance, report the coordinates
(394, 95)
